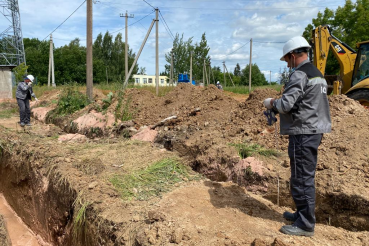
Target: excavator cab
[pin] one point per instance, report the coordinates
(361, 69)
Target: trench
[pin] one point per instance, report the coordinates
(337, 209)
(19, 234)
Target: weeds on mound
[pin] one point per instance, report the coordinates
(246, 150)
(152, 181)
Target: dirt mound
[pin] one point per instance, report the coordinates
(4, 236)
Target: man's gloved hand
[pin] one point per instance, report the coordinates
(29, 84)
(267, 103)
(36, 99)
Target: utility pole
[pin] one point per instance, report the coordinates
(250, 65)
(191, 68)
(139, 53)
(270, 77)
(206, 73)
(89, 68)
(171, 67)
(126, 41)
(225, 83)
(209, 73)
(51, 75)
(157, 50)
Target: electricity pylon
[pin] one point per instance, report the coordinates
(11, 39)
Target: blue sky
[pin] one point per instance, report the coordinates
(228, 24)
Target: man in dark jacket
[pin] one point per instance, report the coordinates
(304, 116)
(23, 94)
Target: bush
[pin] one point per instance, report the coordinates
(70, 101)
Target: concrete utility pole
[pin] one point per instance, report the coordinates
(171, 68)
(206, 73)
(209, 73)
(270, 77)
(89, 68)
(191, 68)
(157, 50)
(51, 64)
(139, 53)
(126, 41)
(250, 65)
(225, 83)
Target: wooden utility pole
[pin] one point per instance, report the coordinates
(250, 65)
(51, 75)
(126, 41)
(89, 68)
(191, 68)
(157, 50)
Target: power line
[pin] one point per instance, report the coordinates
(134, 22)
(166, 26)
(237, 49)
(64, 20)
(148, 4)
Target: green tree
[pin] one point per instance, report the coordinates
(20, 71)
(257, 77)
(200, 53)
(237, 70)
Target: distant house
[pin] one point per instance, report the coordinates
(149, 80)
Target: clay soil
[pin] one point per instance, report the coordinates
(235, 202)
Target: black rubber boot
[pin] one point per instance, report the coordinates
(296, 231)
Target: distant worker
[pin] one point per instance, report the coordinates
(304, 116)
(219, 86)
(23, 94)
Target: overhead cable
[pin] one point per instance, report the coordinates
(65, 20)
(166, 26)
(149, 4)
(237, 49)
(134, 22)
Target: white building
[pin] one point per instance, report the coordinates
(149, 80)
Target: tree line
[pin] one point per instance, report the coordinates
(70, 60)
(182, 50)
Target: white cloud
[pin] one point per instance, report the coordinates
(228, 25)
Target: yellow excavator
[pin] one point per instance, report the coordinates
(354, 65)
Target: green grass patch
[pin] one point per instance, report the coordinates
(246, 150)
(152, 181)
(245, 89)
(7, 113)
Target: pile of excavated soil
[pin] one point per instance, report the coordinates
(204, 136)
(39, 168)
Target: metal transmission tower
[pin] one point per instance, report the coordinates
(11, 39)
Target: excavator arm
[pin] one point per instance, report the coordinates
(323, 42)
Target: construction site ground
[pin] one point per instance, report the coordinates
(57, 174)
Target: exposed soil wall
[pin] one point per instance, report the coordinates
(4, 236)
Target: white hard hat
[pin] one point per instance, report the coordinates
(294, 44)
(30, 77)
(218, 83)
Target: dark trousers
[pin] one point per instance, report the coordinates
(303, 153)
(24, 110)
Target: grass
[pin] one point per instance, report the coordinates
(151, 181)
(79, 226)
(245, 89)
(7, 113)
(246, 150)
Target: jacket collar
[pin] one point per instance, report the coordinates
(302, 63)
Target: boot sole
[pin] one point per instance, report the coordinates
(300, 233)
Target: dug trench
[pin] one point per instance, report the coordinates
(53, 185)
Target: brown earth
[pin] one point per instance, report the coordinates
(4, 236)
(234, 207)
